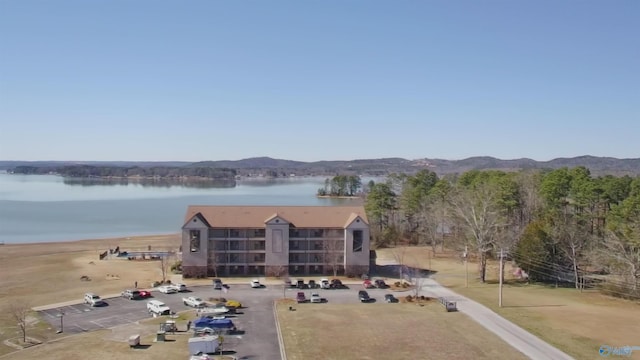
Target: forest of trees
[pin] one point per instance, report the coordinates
(86, 171)
(560, 226)
(341, 185)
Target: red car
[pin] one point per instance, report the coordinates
(145, 294)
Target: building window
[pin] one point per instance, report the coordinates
(194, 240)
(316, 233)
(236, 233)
(256, 233)
(357, 240)
(297, 233)
(218, 233)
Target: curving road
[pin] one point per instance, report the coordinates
(520, 339)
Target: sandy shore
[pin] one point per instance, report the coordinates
(43, 273)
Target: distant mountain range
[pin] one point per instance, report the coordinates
(267, 166)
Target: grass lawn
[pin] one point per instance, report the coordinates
(577, 323)
(41, 274)
(386, 331)
(112, 344)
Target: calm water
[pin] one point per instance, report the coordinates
(41, 208)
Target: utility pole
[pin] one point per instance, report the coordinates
(466, 267)
(501, 274)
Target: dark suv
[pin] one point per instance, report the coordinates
(131, 294)
(363, 296)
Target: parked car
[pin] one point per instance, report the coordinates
(390, 298)
(380, 284)
(300, 284)
(324, 284)
(234, 304)
(158, 307)
(193, 301)
(336, 284)
(131, 294)
(167, 289)
(179, 287)
(145, 294)
(315, 298)
(312, 284)
(93, 300)
(300, 297)
(288, 283)
(255, 283)
(217, 309)
(363, 296)
(367, 284)
(217, 284)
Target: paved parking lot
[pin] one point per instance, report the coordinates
(256, 319)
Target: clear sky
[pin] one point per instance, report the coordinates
(318, 80)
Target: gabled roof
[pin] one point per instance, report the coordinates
(257, 216)
(276, 215)
(199, 216)
(353, 218)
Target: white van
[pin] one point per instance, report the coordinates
(158, 307)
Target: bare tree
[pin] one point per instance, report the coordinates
(399, 254)
(334, 254)
(572, 239)
(19, 312)
(622, 256)
(277, 270)
(417, 280)
(432, 225)
(166, 261)
(480, 216)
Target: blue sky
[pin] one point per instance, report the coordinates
(314, 80)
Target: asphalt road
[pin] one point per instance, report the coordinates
(256, 322)
(520, 339)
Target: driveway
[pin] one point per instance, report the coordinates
(520, 339)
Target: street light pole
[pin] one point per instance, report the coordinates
(61, 321)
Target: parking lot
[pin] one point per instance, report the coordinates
(258, 336)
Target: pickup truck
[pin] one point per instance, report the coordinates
(193, 301)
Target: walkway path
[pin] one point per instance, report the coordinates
(520, 339)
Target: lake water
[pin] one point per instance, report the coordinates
(42, 208)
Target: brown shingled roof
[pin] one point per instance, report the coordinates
(256, 216)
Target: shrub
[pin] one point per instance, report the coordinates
(409, 298)
(397, 284)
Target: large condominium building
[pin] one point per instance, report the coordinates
(275, 240)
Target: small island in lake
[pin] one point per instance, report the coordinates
(341, 187)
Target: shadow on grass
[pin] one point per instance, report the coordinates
(393, 271)
(141, 347)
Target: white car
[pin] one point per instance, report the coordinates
(315, 298)
(93, 300)
(179, 287)
(324, 284)
(167, 289)
(193, 301)
(158, 307)
(255, 284)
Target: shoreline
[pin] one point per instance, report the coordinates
(338, 197)
(112, 239)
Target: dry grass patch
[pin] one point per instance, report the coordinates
(42, 274)
(577, 323)
(386, 331)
